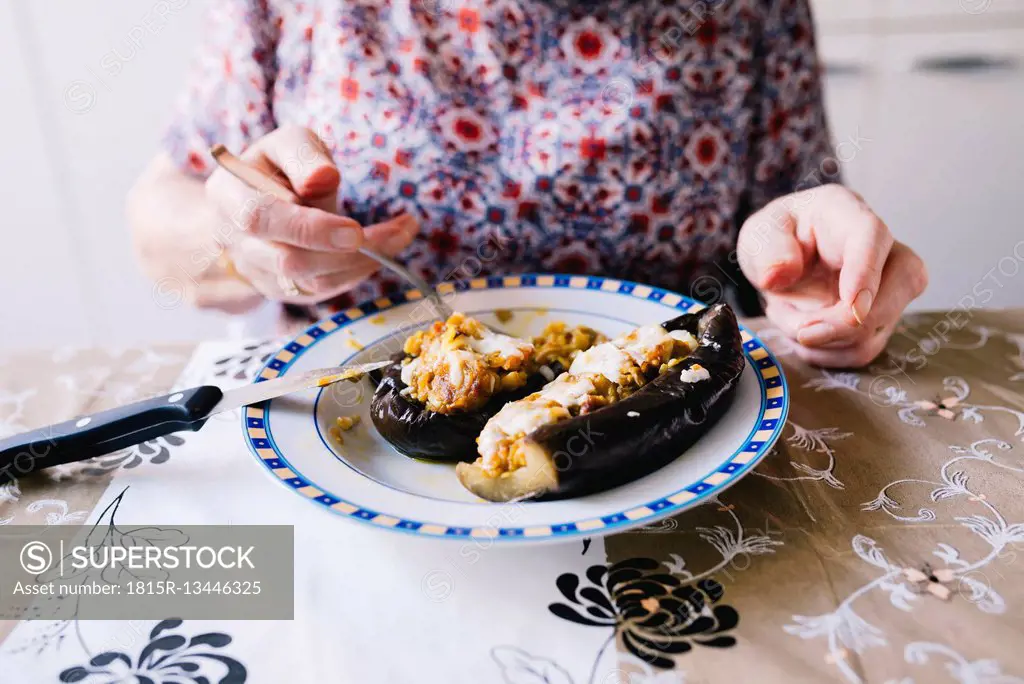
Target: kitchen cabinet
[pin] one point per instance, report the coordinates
(40, 274)
(936, 95)
(105, 82)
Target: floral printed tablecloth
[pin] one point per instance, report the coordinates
(878, 543)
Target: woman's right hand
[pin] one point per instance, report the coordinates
(274, 243)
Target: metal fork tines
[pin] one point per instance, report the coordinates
(442, 310)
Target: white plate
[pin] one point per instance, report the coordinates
(365, 479)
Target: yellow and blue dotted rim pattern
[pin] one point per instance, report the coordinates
(767, 429)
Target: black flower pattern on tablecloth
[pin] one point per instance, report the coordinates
(656, 614)
(154, 451)
(168, 658)
(105, 533)
(245, 364)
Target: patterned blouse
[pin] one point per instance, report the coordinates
(627, 138)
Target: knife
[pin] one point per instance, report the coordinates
(118, 428)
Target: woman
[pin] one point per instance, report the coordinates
(666, 141)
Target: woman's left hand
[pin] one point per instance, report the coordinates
(833, 278)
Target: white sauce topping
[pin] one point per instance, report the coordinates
(507, 347)
(640, 343)
(694, 374)
(685, 337)
(519, 417)
(526, 415)
(408, 370)
(645, 344)
(516, 418)
(604, 359)
(457, 360)
(567, 390)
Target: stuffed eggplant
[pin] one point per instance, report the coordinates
(623, 409)
(451, 378)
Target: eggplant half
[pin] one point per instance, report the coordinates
(632, 437)
(415, 430)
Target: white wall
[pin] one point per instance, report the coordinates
(86, 88)
(941, 152)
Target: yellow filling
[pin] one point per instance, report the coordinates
(560, 343)
(342, 424)
(459, 364)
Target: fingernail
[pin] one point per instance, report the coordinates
(346, 238)
(815, 334)
(862, 305)
(395, 244)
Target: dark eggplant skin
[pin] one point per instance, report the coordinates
(419, 433)
(619, 443)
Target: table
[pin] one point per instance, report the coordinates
(878, 543)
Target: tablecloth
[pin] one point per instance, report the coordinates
(878, 542)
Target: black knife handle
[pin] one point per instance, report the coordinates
(101, 433)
